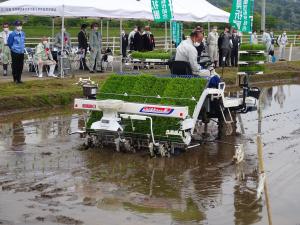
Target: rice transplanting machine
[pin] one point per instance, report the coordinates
(116, 123)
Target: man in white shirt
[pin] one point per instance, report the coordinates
(267, 41)
(212, 42)
(282, 41)
(187, 52)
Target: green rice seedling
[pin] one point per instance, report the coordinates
(152, 90)
(251, 47)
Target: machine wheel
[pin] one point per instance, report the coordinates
(88, 142)
(163, 151)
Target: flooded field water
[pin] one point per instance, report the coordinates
(46, 179)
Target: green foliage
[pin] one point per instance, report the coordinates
(253, 57)
(252, 68)
(281, 14)
(151, 55)
(147, 89)
(250, 47)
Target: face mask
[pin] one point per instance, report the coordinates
(19, 28)
(214, 30)
(135, 30)
(95, 28)
(284, 34)
(234, 34)
(45, 42)
(196, 44)
(6, 29)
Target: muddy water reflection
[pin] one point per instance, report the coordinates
(45, 179)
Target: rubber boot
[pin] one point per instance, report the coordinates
(51, 71)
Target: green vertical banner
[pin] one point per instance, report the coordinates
(241, 16)
(162, 10)
(176, 32)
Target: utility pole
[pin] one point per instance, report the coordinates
(263, 15)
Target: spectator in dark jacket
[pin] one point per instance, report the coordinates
(82, 46)
(124, 43)
(148, 40)
(16, 43)
(225, 45)
(137, 40)
(236, 41)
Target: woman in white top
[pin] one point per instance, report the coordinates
(254, 39)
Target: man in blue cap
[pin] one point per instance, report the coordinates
(16, 43)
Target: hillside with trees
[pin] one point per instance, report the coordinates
(280, 14)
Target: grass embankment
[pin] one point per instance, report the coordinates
(39, 93)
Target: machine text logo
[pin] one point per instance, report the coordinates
(157, 110)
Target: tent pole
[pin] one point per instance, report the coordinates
(101, 24)
(62, 43)
(52, 39)
(107, 24)
(171, 35)
(121, 47)
(208, 27)
(166, 35)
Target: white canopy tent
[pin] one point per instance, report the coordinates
(187, 10)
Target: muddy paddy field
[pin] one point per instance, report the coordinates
(45, 178)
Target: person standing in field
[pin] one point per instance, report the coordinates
(267, 41)
(95, 40)
(212, 42)
(83, 46)
(5, 56)
(16, 43)
(282, 41)
(254, 39)
(131, 38)
(66, 39)
(236, 42)
(225, 45)
(138, 40)
(124, 43)
(148, 40)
